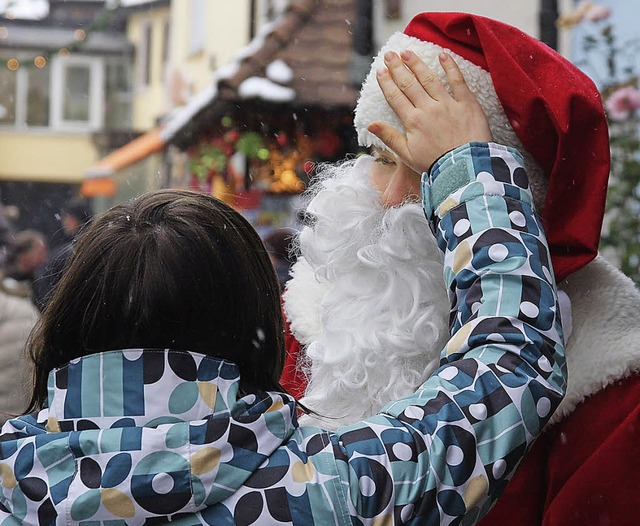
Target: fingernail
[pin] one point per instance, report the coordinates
(381, 72)
(374, 128)
(443, 56)
(389, 56)
(406, 54)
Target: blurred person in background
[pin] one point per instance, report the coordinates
(18, 316)
(27, 255)
(8, 214)
(75, 214)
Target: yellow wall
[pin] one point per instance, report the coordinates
(227, 32)
(50, 158)
(148, 101)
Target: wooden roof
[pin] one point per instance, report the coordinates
(314, 38)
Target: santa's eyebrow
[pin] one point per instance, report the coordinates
(382, 152)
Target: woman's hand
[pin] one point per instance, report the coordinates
(434, 121)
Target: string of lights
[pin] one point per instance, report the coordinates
(78, 39)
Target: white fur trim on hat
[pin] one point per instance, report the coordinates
(372, 105)
(604, 346)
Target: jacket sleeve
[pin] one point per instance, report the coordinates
(447, 451)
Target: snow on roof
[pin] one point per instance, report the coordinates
(257, 42)
(251, 87)
(265, 89)
(185, 114)
(278, 71)
(228, 71)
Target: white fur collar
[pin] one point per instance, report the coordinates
(604, 346)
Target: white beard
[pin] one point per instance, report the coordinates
(366, 299)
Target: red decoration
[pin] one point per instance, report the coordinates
(194, 183)
(328, 143)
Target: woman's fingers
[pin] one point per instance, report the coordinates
(461, 91)
(428, 79)
(405, 79)
(398, 101)
(435, 121)
(392, 138)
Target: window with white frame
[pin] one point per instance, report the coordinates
(24, 93)
(166, 47)
(65, 93)
(77, 93)
(145, 54)
(118, 94)
(9, 83)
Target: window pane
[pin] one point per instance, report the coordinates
(118, 96)
(7, 96)
(76, 94)
(38, 97)
(197, 25)
(146, 56)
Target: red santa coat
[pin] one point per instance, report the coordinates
(585, 468)
(293, 379)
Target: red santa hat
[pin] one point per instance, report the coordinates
(536, 101)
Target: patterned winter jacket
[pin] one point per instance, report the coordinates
(139, 436)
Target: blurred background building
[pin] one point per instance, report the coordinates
(113, 98)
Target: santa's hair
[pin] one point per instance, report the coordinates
(367, 297)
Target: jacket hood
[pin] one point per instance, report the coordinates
(152, 433)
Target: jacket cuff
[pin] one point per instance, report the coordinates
(462, 166)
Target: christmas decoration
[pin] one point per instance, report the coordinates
(279, 162)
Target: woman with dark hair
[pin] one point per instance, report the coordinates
(158, 359)
(281, 252)
(166, 271)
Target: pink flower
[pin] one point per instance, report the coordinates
(584, 11)
(622, 102)
(596, 12)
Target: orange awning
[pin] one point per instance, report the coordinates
(127, 155)
(98, 187)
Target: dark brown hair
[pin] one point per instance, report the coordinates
(170, 269)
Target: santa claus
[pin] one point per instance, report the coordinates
(367, 302)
